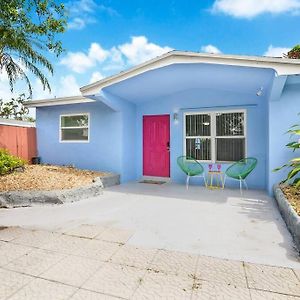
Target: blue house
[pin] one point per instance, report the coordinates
(216, 108)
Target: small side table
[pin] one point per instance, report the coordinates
(219, 178)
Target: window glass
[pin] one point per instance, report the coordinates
(198, 125)
(230, 124)
(75, 121)
(78, 134)
(215, 136)
(198, 148)
(230, 149)
(74, 128)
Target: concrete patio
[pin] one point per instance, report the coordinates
(144, 241)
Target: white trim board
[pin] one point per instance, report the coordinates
(58, 101)
(18, 123)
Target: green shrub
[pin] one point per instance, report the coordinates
(9, 162)
(294, 164)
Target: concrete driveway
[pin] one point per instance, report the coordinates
(142, 241)
(215, 223)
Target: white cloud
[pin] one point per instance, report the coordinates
(96, 76)
(78, 62)
(118, 57)
(210, 49)
(5, 93)
(252, 8)
(81, 6)
(84, 12)
(97, 53)
(39, 93)
(77, 24)
(109, 10)
(276, 51)
(140, 50)
(66, 86)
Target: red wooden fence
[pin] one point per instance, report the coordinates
(18, 138)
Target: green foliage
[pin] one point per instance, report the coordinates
(294, 53)
(15, 109)
(9, 162)
(28, 29)
(294, 164)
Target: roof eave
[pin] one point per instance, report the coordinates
(58, 101)
(280, 65)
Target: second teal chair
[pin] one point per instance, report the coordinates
(240, 170)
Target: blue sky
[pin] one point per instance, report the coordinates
(105, 37)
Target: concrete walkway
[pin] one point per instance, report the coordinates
(96, 262)
(199, 221)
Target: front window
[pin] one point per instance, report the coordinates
(215, 136)
(74, 128)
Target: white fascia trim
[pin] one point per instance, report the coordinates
(10, 122)
(281, 66)
(58, 101)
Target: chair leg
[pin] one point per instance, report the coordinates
(241, 187)
(245, 183)
(187, 182)
(224, 181)
(204, 180)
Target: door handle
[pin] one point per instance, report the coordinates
(168, 146)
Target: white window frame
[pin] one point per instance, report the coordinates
(74, 127)
(213, 134)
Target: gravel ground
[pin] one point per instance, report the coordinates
(293, 196)
(42, 177)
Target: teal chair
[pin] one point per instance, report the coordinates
(240, 170)
(191, 167)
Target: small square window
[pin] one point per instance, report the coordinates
(74, 128)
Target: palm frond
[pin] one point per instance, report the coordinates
(14, 72)
(35, 70)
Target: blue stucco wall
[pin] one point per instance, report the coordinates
(116, 127)
(116, 136)
(209, 100)
(127, 147)
(101, 153)
(112, 138)
(282, 114)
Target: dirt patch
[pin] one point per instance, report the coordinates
(293, 196)
(46, 178)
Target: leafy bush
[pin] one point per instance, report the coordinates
(293, 164)
(9, 162)
(294, 53)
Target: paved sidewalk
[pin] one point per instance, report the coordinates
(96, 262)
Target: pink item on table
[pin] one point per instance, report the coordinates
(210, 167)
(219, 167)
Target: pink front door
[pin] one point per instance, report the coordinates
(156, 146)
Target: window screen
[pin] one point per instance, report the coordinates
(216, 136)
(198, 132)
